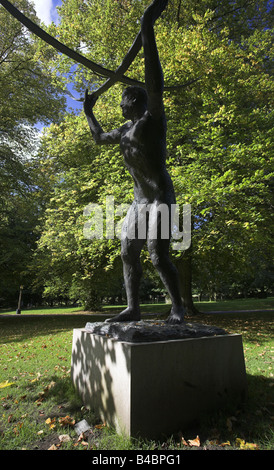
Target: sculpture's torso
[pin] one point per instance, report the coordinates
(143, 145)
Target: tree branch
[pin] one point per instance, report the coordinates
(113, 77)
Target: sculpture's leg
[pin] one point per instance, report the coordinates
(130, 253)
(131, 248)
(158, 248)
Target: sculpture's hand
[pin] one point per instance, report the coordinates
(154, 11)
(89, 103)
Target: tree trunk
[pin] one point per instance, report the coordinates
(184, 268)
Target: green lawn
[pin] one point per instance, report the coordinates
(38, 403)
(43, 311)
(222, 305)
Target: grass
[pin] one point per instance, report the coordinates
(43, 311)
(38, 403)
(222, 305)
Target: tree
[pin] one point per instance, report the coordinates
(226, 156)
(27, 97)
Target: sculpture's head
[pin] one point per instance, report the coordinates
(134, 102)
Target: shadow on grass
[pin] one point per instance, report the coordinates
(251, 421)
(16, 329)
(254, 326)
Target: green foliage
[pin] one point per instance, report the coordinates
(17, 240)
(223, 160)
(27, 96)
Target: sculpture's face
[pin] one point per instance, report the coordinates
(127, 106)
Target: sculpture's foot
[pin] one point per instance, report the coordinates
(129, 314)
(176, 316)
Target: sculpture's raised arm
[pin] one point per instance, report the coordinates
(153, 70)
(99, 136)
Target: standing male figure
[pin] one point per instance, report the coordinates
(143, 144)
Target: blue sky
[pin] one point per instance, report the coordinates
(47, 12)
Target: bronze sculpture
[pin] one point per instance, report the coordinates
(143, 144)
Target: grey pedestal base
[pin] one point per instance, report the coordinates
(155, 389)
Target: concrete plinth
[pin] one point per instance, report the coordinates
(156, 389)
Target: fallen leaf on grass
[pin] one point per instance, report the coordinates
(50, 422)
(251, 446)
(245, 445)
(194, 442)
(33, 380)
(81, 437)
(100, 426)
(11, 418)
(6, 384)
(53, 447)
(66, 421)
(64, 438)
(17, 428)
(84, 443)
(223, 444)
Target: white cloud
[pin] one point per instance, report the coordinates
(46, 10)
